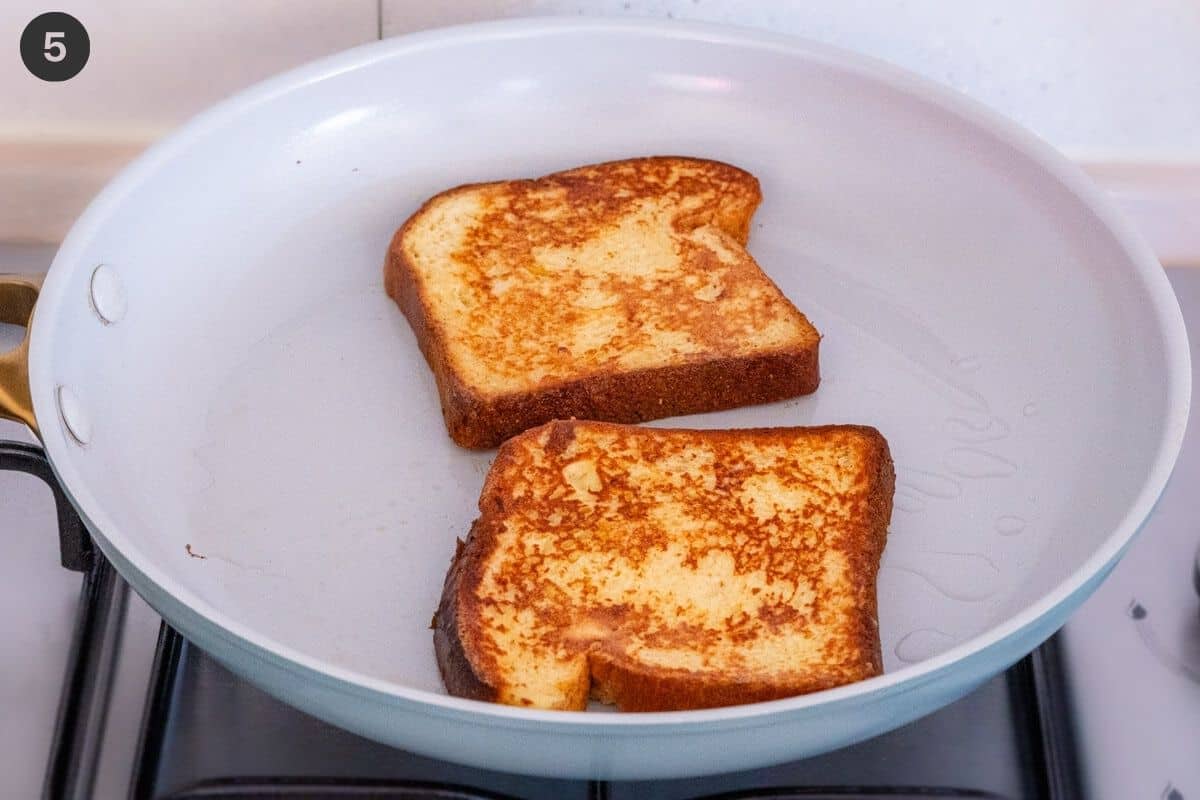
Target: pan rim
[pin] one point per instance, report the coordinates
(149, 579)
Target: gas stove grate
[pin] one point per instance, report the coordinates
(1036, 684)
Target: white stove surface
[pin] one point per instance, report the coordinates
(1133, 650)
(39, 598)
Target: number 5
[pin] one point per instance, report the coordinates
(54, 50)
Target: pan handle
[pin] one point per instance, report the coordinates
(18, 294)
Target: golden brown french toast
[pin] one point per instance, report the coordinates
(620, 291)
(664, 569)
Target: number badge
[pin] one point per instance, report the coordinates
(55, 46)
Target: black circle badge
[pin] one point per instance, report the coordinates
(55, 46)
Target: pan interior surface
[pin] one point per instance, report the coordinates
(264, 431)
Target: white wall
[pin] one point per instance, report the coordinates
(154, 63)
(1107, 81)
(1101, 79)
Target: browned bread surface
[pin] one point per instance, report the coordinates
(663, 569)
(620, 291)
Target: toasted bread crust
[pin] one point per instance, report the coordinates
(471, 670)
(477, 420)
(458, 673)
(637, 687)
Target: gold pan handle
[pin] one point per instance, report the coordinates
(18, 294)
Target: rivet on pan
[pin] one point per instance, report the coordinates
(108, 295)
(75, 419)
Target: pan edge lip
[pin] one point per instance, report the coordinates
(1150, 275)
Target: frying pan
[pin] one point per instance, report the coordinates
(244, 421)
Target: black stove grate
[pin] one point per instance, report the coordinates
(1035, 689)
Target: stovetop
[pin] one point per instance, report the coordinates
(206, 733)
(211, 729)
(1110, 708)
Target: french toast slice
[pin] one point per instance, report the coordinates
(620, 291)
(662, 569)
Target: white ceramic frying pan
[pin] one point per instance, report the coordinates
(244, 421)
